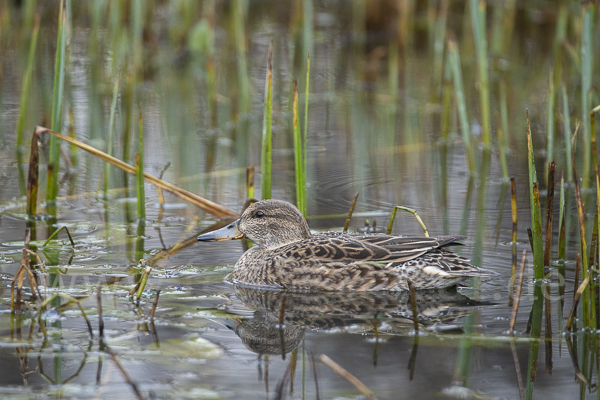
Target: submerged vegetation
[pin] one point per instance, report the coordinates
(386, 105)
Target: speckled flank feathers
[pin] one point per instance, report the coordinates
(287, 256)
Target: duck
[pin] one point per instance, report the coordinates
(288, 256)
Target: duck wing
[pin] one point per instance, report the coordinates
(349, 248)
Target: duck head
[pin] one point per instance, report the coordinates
(268, 223)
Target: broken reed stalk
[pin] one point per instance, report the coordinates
(413, 305)
(513, 271)
(350, 212)
(298, 157)
(139, 172)
(143, 282)
(250, 182)
(111, 125)
(480, 32)
(410, 210)
(547, 254)
(55, 233)
(348, 376)
(207, 205)
(33, 176)
(56, 116)
(27, 83)
(515, 310)
(154, 304)
(576, 298)
(267, 139)
(462, 107)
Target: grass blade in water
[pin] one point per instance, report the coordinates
(56, 121)
(111, 124)
(298, 157)
(462, 107)
(479, 30)
(267, 140)
(139, 176)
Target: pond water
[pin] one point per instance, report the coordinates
(375, 115)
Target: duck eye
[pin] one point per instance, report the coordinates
(259, 214)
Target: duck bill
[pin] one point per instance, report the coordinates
(229, 232)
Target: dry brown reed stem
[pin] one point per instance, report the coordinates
(515, 310)
(348, 376)
(154, 304)
(347, 224)
(32, 178)
(207, 205)
(513, 271)
(530, 235)
(576, 302)
(413, 304)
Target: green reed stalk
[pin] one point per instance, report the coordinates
(242, 68)
(56, 116)
(587, 65)
(550, 123)
(137, 31)
(462, 107)
(267, 139)
(446, 101)
(503, 130)
(111, 124)
(567, 132)
(298, 158)
(139, 173)
(479, 30)
(27, 83)
(536, 215)
(305, 145)
(438, 48)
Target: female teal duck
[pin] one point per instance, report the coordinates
(288, 256)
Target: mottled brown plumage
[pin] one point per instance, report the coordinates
(288, 256)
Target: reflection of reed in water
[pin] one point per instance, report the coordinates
(281, 319)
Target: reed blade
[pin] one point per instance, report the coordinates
(56, 116)
(267, 139)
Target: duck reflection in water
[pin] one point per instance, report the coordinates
(281, 319)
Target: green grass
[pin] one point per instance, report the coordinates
(480, 32)
(298, 155)
(465, 126)
(56, 115)
(267, 135)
